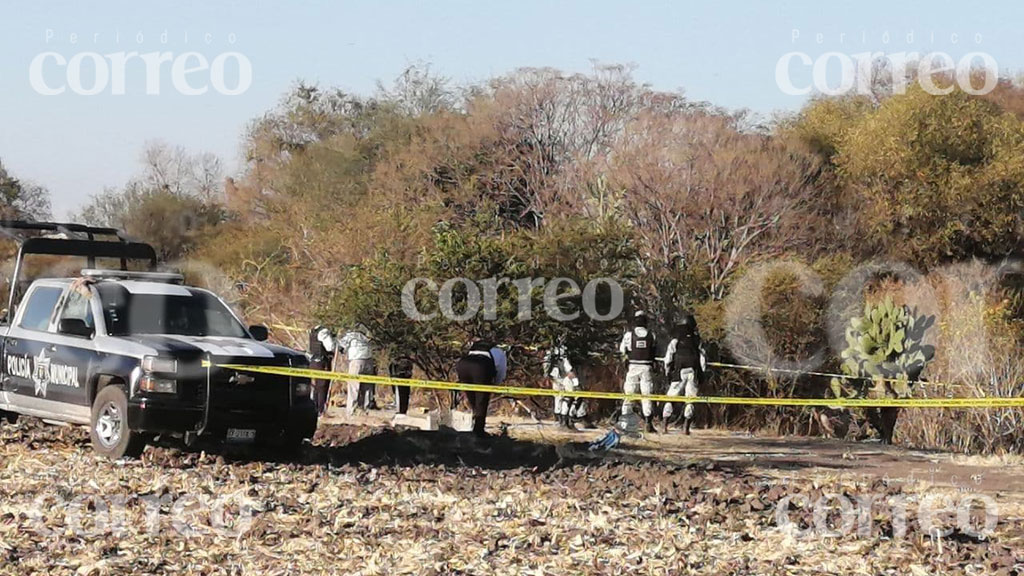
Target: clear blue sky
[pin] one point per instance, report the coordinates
(724, 52)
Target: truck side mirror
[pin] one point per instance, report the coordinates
(259, 332)
(74, 327)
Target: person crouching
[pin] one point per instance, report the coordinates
(485, 364)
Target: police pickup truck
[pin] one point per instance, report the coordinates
(137, 354)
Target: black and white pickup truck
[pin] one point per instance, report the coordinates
(135, 354)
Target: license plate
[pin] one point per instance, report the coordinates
(241, 435)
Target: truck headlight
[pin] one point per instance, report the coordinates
(157, 364)
(150, 383)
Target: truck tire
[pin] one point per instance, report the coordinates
(290, 444)
(108, 427)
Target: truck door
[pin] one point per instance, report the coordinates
(26, 354)
(72, 343)
(3, 369)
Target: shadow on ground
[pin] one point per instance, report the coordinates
(341, 445)
(446, 447)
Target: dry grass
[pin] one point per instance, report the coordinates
(441, 504)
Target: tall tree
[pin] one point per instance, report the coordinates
(702, 193)
(936, 177)
(171, 203)
(22, 200)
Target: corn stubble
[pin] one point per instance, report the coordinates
(435, 505)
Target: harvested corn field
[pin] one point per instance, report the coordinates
(372, 500)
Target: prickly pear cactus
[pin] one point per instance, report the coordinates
(885, 352)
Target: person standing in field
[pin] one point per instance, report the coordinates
(637, 347)
(359, 350)
(564, 377)
(685, 363)
(401, 367)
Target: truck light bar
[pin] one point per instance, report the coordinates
(167, 277)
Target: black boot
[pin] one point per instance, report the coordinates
(686, 426)
(479, 427)
(650, 425)
(568, 423)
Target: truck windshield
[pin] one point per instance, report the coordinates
(195, 314)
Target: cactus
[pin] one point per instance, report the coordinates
(885, 352)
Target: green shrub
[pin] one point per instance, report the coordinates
(885, 351)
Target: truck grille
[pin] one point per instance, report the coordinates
(248, 391)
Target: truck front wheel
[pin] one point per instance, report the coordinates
(108, 426)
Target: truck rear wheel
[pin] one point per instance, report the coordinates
(291, 444)
(108, 426)
(287, 445)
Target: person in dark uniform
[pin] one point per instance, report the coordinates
(884, 419)
(321, 357)
(401, 367)
(684, 365)
(485, 364)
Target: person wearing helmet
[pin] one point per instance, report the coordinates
(638, 348)
(684, 363)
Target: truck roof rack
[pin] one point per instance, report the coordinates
(102, 274)
(65, 228)
(65, 239)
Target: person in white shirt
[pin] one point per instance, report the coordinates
(638, 347)
(359, 350)
(560, 370)
(500, 364)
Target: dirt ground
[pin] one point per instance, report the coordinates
(776, 457)
(365, 498)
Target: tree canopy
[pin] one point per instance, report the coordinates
(21, 200)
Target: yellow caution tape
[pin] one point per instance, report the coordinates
(733, 366)
(829, 374)
(520, 391)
